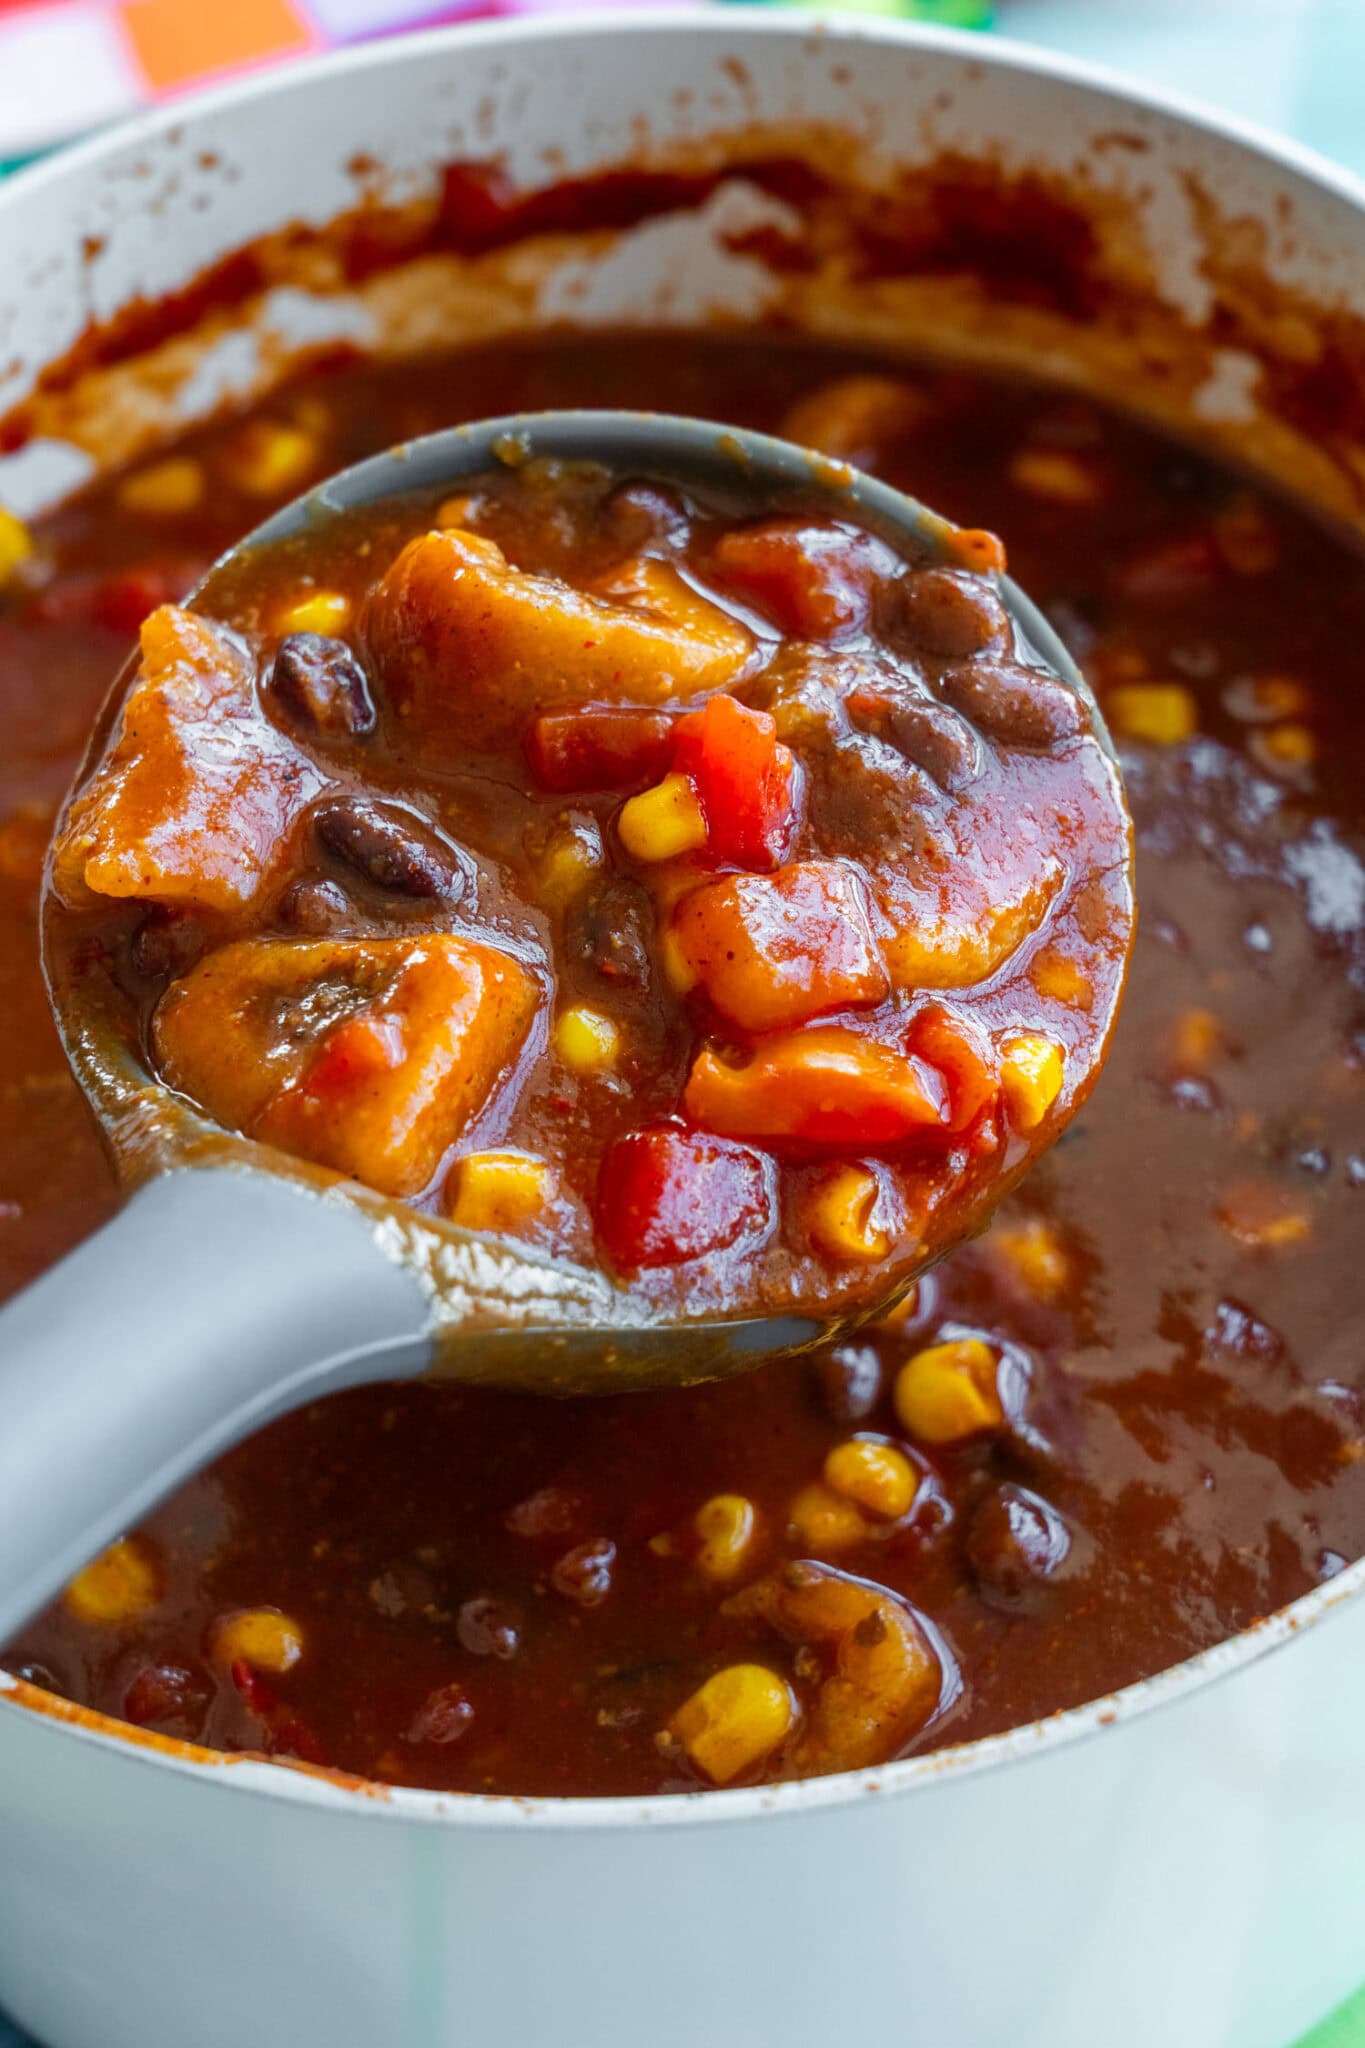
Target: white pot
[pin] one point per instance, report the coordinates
(1193, 1876)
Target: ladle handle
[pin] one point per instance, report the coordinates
(216, 1299)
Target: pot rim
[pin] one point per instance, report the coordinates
(339, 1791)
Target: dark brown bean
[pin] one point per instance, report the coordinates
(391, 846)
(636, 513)
(938, 741)
(315, 906)
(1020, 707)
(584, 1573)
(609, 931)
(167, 943)
(487, 1628)
(848, 1380)
(952, 613)
(321, 682)
(1017, 1540)
(442, 1717)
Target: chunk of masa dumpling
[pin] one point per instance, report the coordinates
(197, 789)
(368, 1055)
(468, 648)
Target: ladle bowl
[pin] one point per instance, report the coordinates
(238, 1283)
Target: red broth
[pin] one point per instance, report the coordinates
(491, 1593)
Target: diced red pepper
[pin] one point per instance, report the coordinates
(353, 1052)
(745, 779)
(667, 1194)
(814, 582)
(963, 1055)
(598, 747)
(120, 600)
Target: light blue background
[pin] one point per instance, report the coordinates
(1294, 65)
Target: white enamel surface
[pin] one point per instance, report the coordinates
(1192, 1876)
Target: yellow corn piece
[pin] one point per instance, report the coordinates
(841, 1216)
(1032, 1067)
(268, 459)
(662, 822)
(905, 1311)
(948, 1392)
(733, 1721)
(164, 490)
(1197, 1037)
(116, 1587)
(262, 1637)
(499, 1190)
(16, 545)
(585, 1040)
(823, 1522)
(458, 511)
(1035, 1256)
(677, 969)
(316, 611)
(1290, 745)
(1262, 1217)
(726, 1527)
(874, 1476)
(1163, 714)
(1059, 977)
(1052, 473)
(571, 857)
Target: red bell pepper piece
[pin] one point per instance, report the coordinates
(746, 780)
(667, 1194)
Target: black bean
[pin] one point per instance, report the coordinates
(938, 741)
(390, 846)
(952, 613)
(1016, 1542)
(487, 1628)
(322, 683)
(609, 931)
(1021, 707)
(637, 512)
(167, 943)
(848, 1379)
(316, 906)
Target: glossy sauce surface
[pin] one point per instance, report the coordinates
(503, 1595)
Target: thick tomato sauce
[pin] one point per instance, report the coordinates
(497, 1594)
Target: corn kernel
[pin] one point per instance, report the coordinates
(949, 1392)
(1163, 714)
(262, 1637)
(841, 1216)
(1287, 746)
(850, 418)
(874, 1476)
(568, 861)
(726, 1527)
(499, 1190)
(457, 512)
(164, 490)
(1035, 1257)
(585, 1040)
(905, 1310)
(1262, 1217)
(1060, 978)
(1032, 1067)
(1246, 539)
(317, 611)
(16, 545)
(1196, 1040)
(115, 1587)
(1054, 474)
(662, 822)
(1261, 699)
(268, 459)
(978, 549)
(677, 969)
(822, 1522)
(733, 1721)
